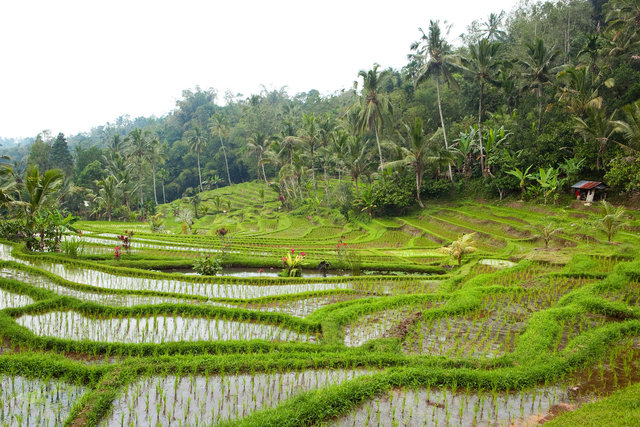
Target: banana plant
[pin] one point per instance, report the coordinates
(522, 177)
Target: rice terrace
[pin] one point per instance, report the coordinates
(448, 241)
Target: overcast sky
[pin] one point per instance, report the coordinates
(70, 65)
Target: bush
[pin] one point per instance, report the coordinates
(208, 265)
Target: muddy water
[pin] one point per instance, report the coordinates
(35, 402)
(159, 329)
(201, 400)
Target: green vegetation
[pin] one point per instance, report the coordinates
(448, 275)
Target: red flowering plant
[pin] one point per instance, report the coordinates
(126, 240)
(116, 252)
(292, 264)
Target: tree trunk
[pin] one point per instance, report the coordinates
(480, 132)
(155, 194)
(264, 175)
(379, 148)
(418, 186)
(164, 197)
(539, 93)
(444, 131)
(199, 174)
(313, 172)
(226, 162)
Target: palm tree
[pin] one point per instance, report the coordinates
(537, 66)
(257, 144)
(546, 232)
(157, 156)
(138, 149)
(108, 194)
(219, 125)
(623, 17)
(612, 219)
(482, 64)
(596, 126)
(326, 127)
(357, 157)
(438, 63)
(43, 194)
(197, 141)
(417, 154)
(579, 89)
(374, 105)
(630, 127)
(310, 134)
(163, 174)
(462, 246)
(491, 28)
(338, 149)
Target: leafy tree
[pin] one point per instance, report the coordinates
(60, 154)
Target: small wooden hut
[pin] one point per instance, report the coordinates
(590, 191)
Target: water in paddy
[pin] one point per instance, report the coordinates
(207, 400)
(157, 329)
(10, 300)
(36, 402)
(432, 407)
(118, 300)
(211, 290)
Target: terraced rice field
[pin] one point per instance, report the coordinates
(515, 335)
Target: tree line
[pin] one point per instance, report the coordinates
(531, 101)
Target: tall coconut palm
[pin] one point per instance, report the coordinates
(219, 126)
(338, 149)
(137, 149)
(326, 127)
(537, 70)
(157, 157)
(492, 28)
(438, 63)
(417, 153)
(310, 134)
(197, 141)
(257, 144)
(482, 65)
(374, 105)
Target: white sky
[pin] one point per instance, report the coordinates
(70, 65)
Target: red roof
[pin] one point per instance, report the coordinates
(586, 185)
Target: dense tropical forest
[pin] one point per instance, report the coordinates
(407, 252)
(528, 104)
